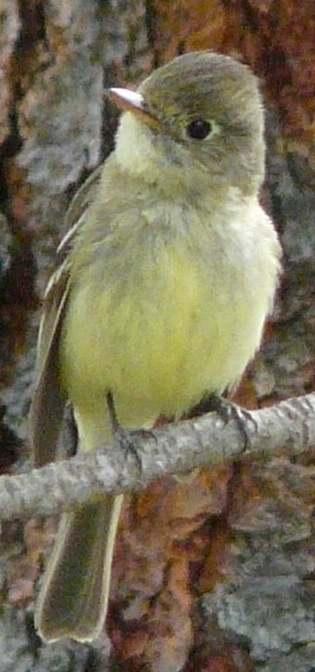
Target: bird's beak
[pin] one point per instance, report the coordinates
(131, 101)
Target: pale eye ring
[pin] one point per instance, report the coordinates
(199, 129)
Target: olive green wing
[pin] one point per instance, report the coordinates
(48, 401)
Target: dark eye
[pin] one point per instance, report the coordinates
(199, 129)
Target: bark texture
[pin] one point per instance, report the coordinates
(286, 429)
(216, 574)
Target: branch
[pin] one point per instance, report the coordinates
(288, 427)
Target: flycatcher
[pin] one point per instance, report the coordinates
(164, 283)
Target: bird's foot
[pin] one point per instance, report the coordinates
(126, 439)
(227, 411)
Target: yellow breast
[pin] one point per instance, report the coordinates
(168, 325)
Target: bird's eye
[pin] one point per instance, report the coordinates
(199, 129)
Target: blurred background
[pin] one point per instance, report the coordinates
(217, 575)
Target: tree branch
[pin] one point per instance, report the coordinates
(288, 428)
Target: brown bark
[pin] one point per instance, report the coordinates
(215, 575)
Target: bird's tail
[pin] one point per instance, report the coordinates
(74, 595)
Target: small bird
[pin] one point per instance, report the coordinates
(165, 280)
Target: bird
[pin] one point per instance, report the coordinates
(161, 291)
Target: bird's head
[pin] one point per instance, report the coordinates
(198, 119)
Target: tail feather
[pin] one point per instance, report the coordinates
(74, 596)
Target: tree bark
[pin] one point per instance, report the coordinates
(214, 574)
(288, 428)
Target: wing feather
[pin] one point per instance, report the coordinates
(48, 400)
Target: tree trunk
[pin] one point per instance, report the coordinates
(215, 575)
